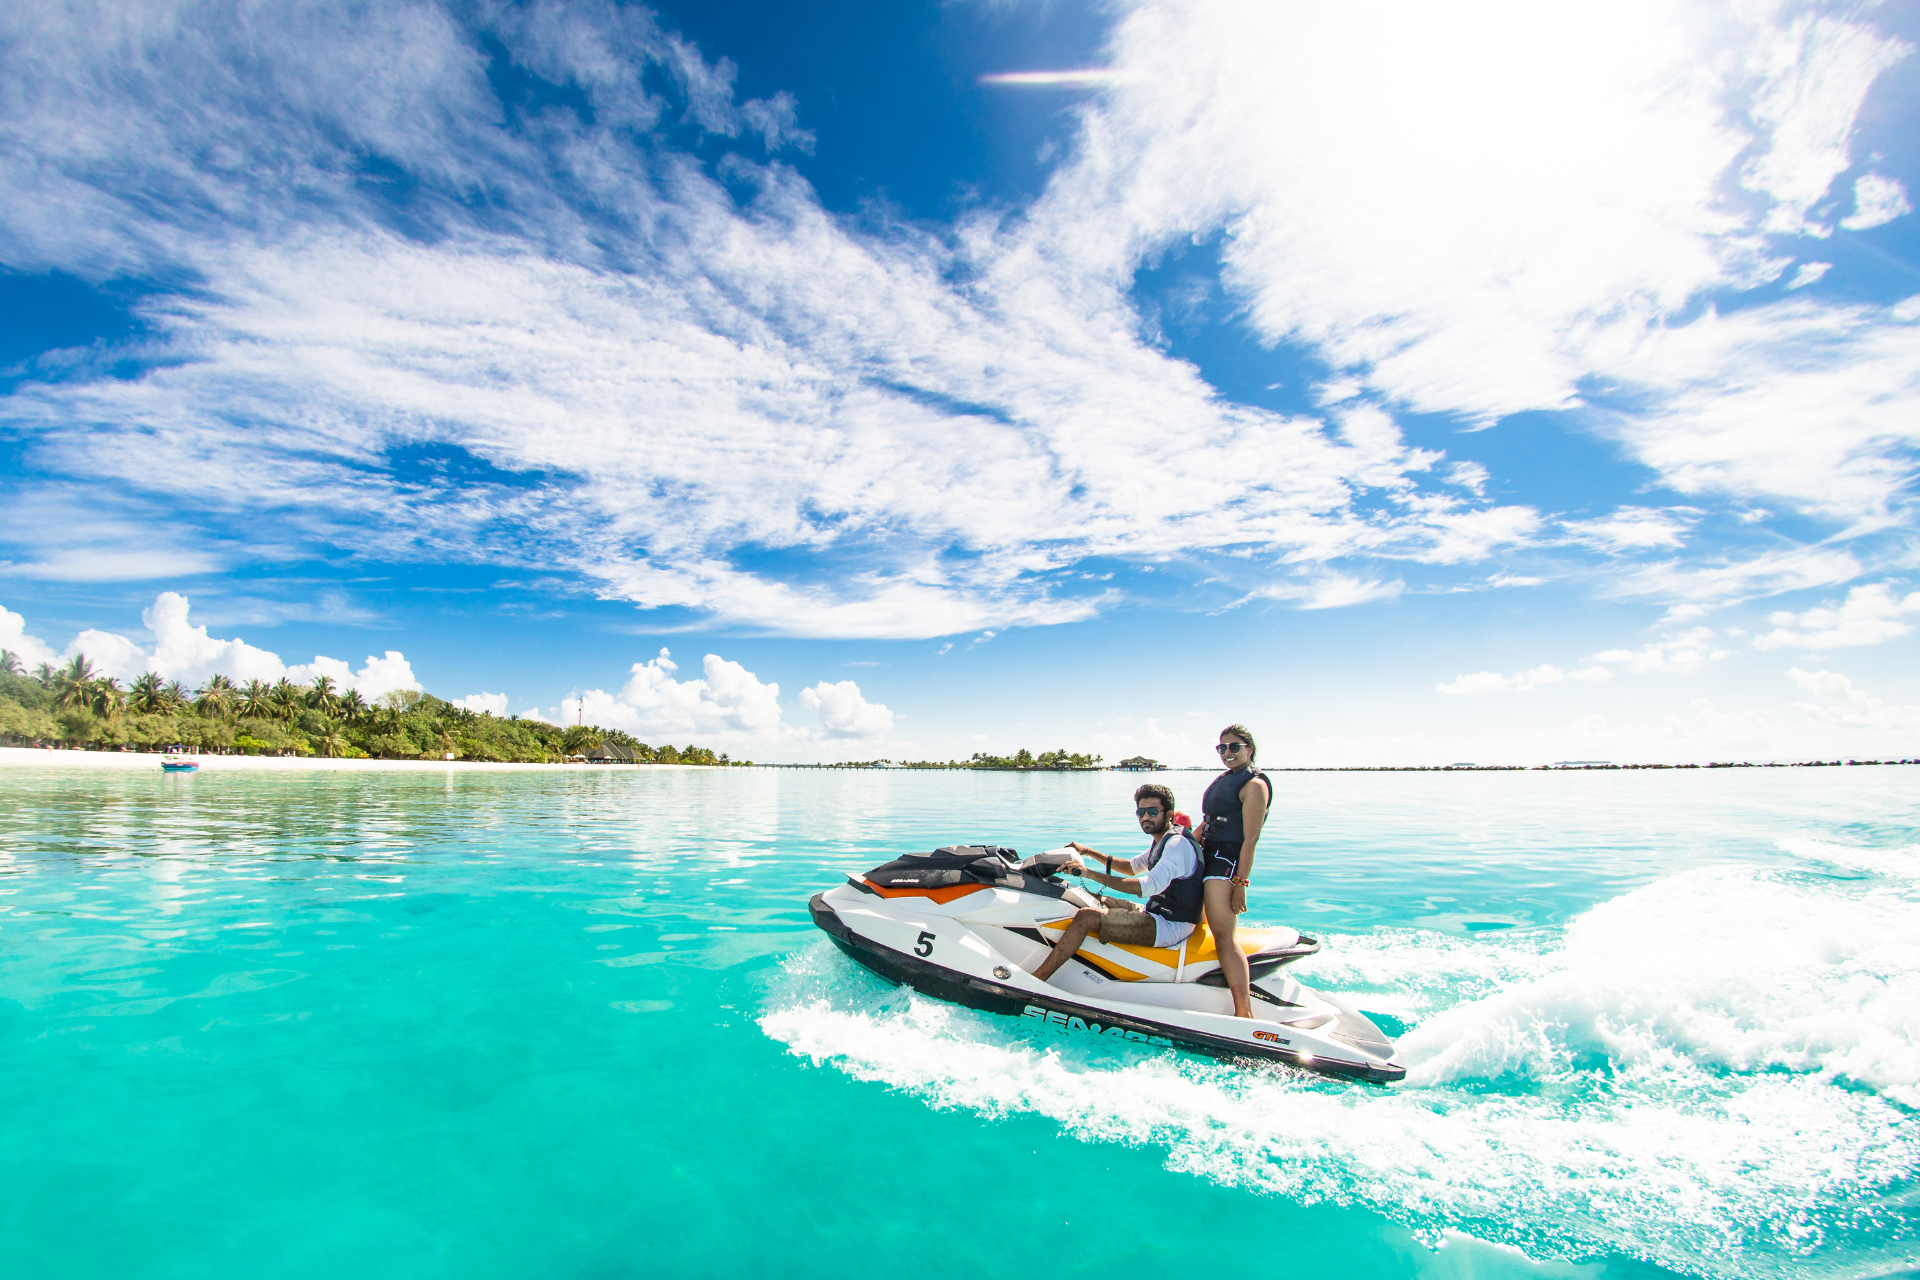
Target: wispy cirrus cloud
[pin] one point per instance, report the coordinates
(681, 379)
(638, 369)
(1520, 682)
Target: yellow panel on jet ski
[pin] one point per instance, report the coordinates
(1200, 949)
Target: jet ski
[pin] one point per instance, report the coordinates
(968, 923)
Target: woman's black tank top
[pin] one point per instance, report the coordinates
(1221, 805)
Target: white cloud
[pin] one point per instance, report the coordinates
(1567, 243)
(1634, 529)
(1695, 586)
(385, 674)
(1877, 200)
(492, 703)
(845, 713)
(683, 371)
(1537, 230)
(660, 365)
(1672, 655)
(727, 707)
(727, 701)
(1809, 273)
(1840, 703)
(1522, 682)
(13, 636)
(111, 653)
(1870, 614)
(185, 652)
(1811, 403)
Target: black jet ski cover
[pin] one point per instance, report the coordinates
(964, 864)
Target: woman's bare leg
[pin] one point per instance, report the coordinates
(1221, 919)
(1085, 921)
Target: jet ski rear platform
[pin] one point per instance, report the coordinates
(968, 923)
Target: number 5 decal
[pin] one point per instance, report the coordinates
(924, 947)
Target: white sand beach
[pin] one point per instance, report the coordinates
(58, 758)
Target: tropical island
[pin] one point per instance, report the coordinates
(74, 705)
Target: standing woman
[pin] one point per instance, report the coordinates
(1234, 809)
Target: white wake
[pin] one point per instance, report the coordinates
(1714, 1073)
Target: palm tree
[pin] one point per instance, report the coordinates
(46, 673)
(105, 697)
(256, 700)
(73, 683)
(10, 663)
(323, 698)
(353, 707)
(330, 742)
(284, 699)
(148, 695)
(216, 697)
(176, 697)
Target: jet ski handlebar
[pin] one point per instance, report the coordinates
(1047, 865)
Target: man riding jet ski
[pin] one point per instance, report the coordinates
(973, 923)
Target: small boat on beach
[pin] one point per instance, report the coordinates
(176, 760)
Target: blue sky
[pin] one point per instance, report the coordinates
(1414, 383)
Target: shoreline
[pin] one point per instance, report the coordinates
(56, 757)
(79, 758)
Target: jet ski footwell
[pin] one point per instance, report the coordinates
(920, 938)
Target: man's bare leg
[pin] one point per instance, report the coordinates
(1085, 921)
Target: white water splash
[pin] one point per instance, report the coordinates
(1713, 1073)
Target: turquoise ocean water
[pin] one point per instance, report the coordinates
(578, 1025)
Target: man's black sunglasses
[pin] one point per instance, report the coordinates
(1151, 811)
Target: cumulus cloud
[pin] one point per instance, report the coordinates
(1839, 702)
(725, 700)
(1521, 682)
(726, 706)
(31, 650)
(491, 703)
(845, 713)
(1877, 200)
(1870, 614)
(1671, 655)
(184, 651)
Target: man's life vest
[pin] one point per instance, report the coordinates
(1183, 900)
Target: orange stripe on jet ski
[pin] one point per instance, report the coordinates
(947, 894)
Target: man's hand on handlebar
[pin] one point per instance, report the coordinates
(1073, 867)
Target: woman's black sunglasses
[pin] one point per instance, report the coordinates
(1228, 748)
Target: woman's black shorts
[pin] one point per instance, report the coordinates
(1220, 861)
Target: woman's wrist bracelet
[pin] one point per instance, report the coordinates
(1242, 881)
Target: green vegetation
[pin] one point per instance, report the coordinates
(1025, 759)
(75, 706)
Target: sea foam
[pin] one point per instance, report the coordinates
(1713, 1072)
